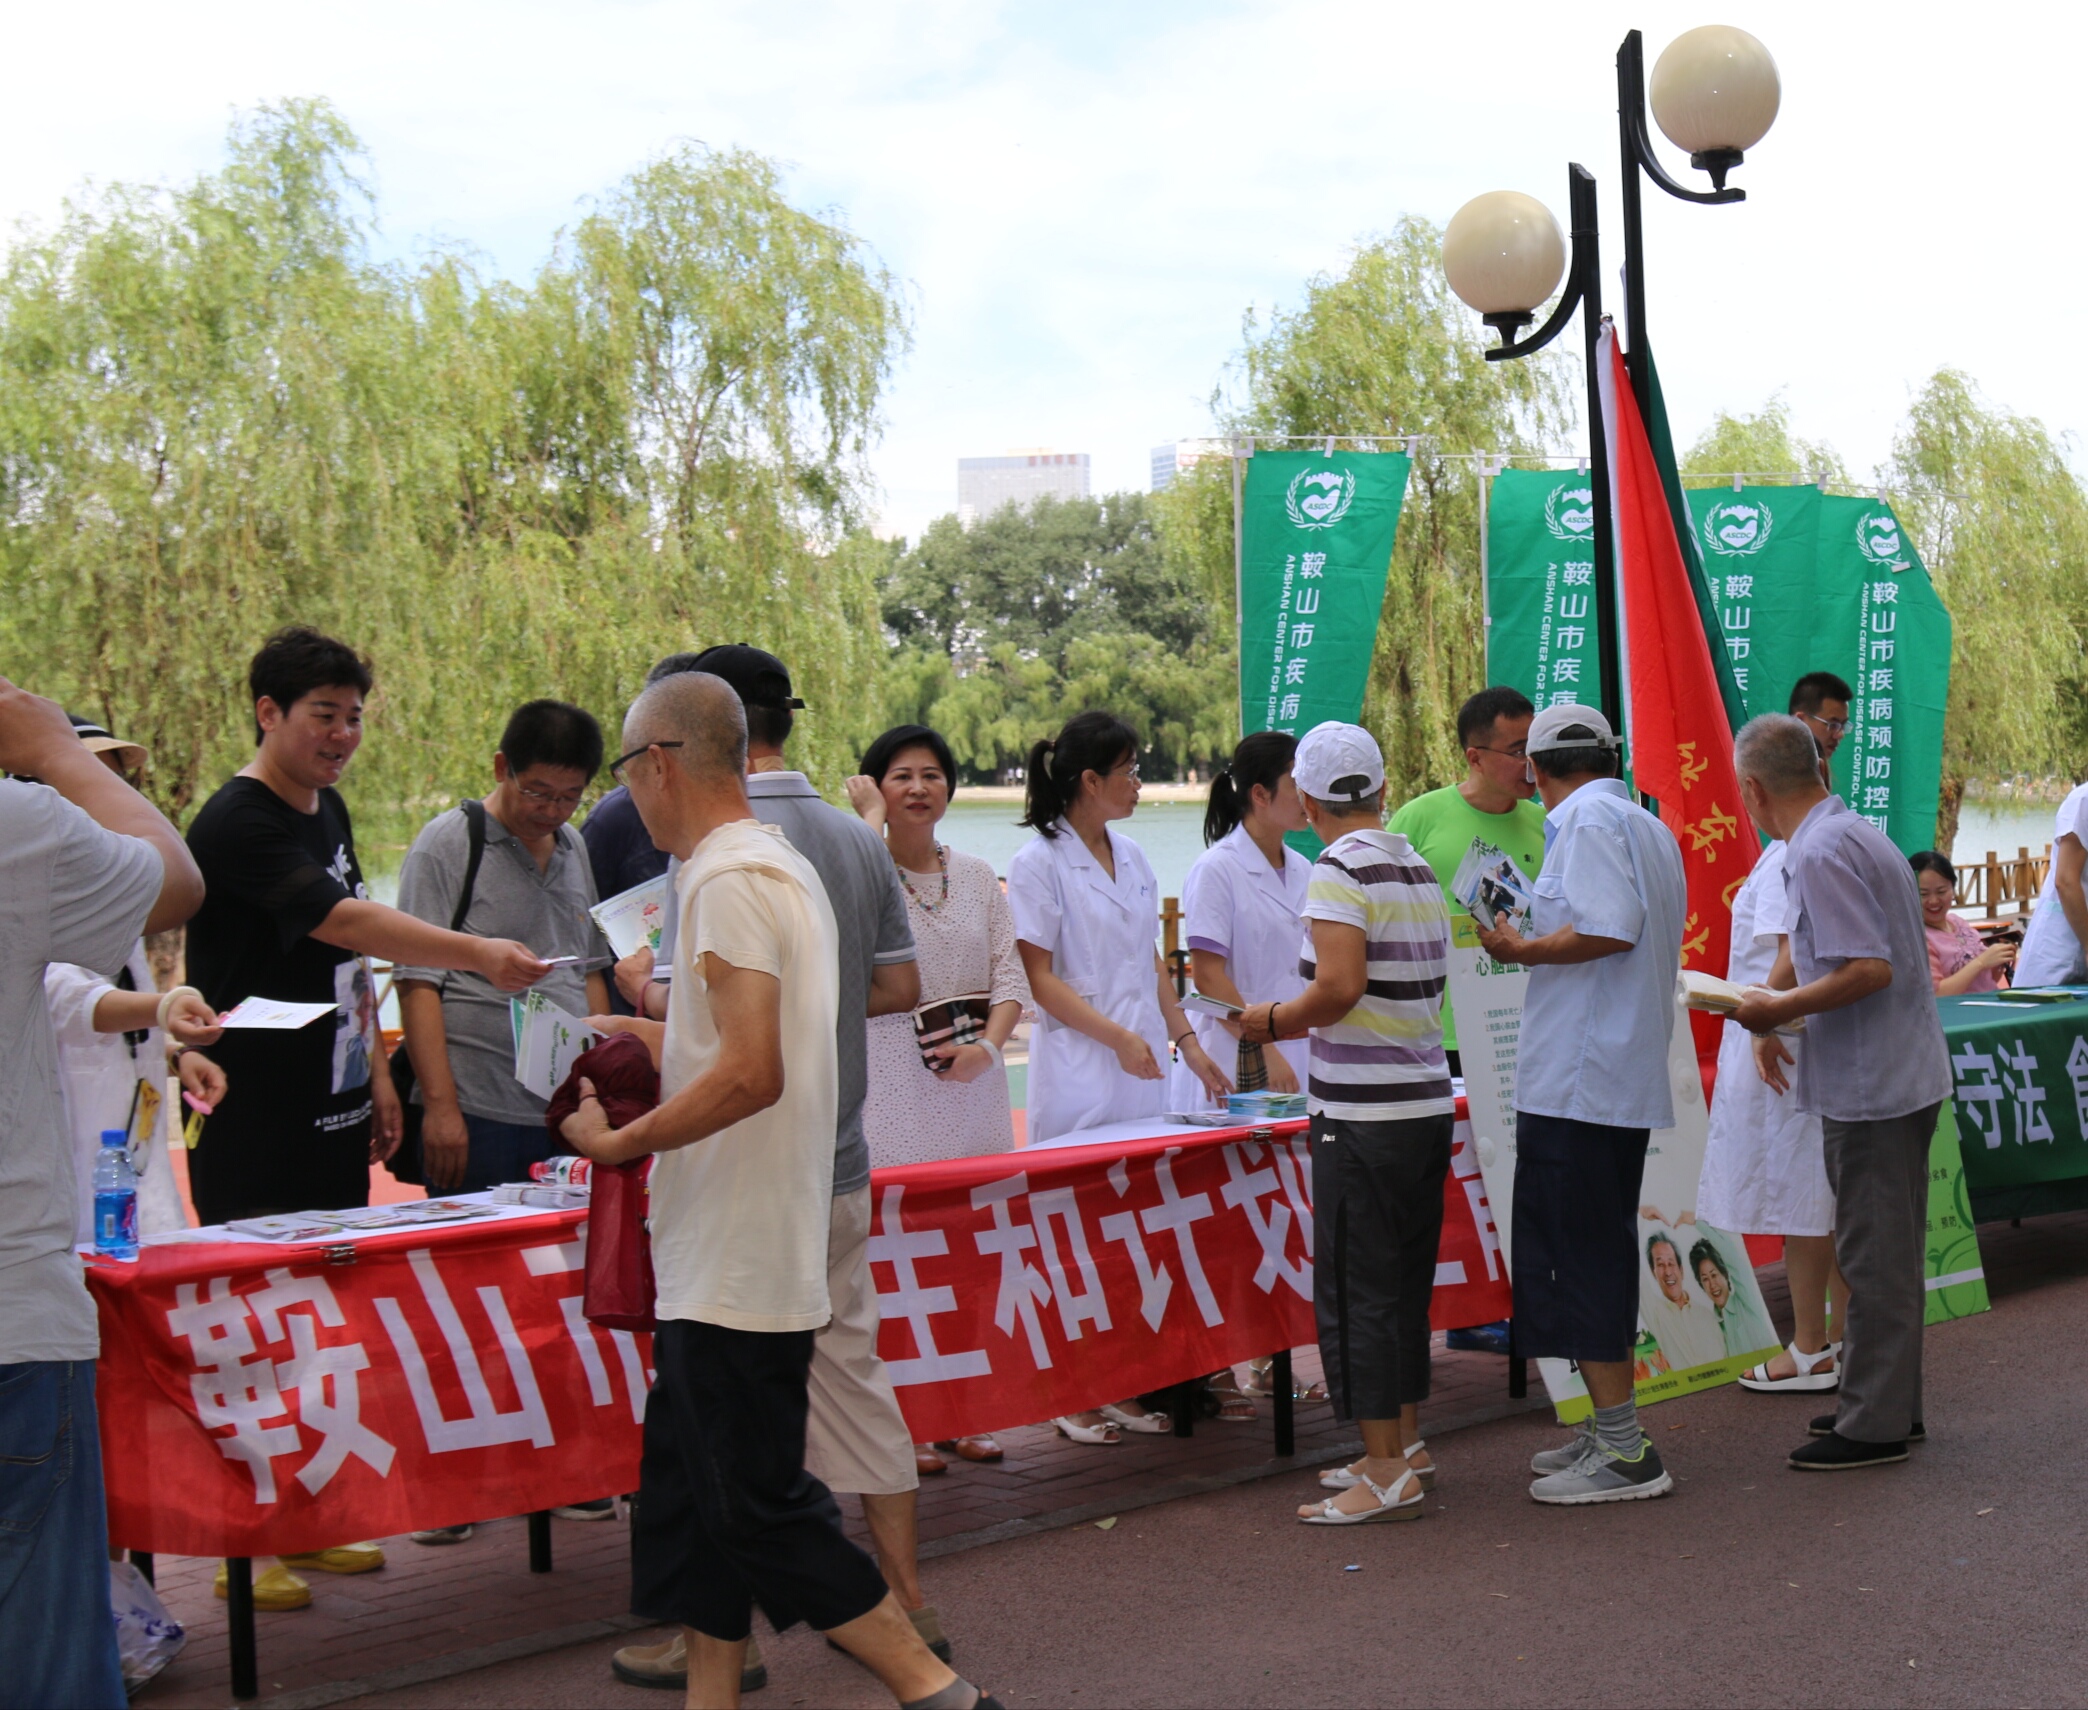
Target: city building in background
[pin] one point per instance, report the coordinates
(984, 484)
(1171, 459)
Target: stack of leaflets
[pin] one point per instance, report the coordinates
(631, 921)
(1264, 1106)
(1489, 883)
(1713, 996)
(360, 1220)
(547, 1041)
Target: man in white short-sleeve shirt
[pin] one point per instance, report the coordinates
(86, 864)
(2052, 953)
(727, 1516)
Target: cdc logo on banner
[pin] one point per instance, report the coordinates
(1320, 498)
(1569, 513)
(1737, 528)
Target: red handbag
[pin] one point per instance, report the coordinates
(619, 1293)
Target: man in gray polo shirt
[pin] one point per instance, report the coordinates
(856, 1439)
(1874, 1069)
(479, 1125)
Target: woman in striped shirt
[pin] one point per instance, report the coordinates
(1381, 1107)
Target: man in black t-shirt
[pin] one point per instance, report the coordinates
(287, 916)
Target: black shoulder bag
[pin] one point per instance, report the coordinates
(407, 1164)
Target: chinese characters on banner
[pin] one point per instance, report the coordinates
(1316, 535)
(1541, 592)
(260, 1399)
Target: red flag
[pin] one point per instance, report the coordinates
(1681, 745)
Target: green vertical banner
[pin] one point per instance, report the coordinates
(1316, 534)
(1803, 581)
(1541, 595)
(1896, 639)
(1759, 547)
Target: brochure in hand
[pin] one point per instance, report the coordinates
(631, 920)
(547, 1040)
(1489, 883)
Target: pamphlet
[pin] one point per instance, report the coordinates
(1489, 883)
(269, 1012)
(631, 921)
(547, 1044)
(1206, 1005)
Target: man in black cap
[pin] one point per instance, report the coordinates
(857, 1441)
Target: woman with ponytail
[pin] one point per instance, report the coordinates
(1087, 918)
(1243, 908)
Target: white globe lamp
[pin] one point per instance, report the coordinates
(1504, 255)
(1714, 92)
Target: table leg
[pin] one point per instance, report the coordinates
(1184, 1408)
(540, 1541)
(142, 1561)
(239, 1625)
(1286, 1403)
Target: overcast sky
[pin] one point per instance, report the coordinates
(1083, 199)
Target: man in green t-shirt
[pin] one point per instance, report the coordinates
(1493, 806)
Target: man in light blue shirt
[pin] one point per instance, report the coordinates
(1591, 1084)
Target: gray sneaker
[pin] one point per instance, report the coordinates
(1603, 1475)
(1561, 1460)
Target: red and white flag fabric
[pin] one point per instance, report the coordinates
(1681, 747)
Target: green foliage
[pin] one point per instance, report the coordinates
(218, 414)
(1761, 447)
(1035, 613)
(1385, 350)
(2002, 524)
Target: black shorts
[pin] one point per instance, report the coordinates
(727, 1515)
(1574, 1241)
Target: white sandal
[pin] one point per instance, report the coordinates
(1347, 1478)
(1406, 1508)
(1094, 1435)
(1149, 1424)
(1816, 1372)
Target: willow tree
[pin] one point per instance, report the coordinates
(2002, 524)
(218, 413)
(1761, 447)
(1387, 350)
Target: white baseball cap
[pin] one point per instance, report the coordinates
(1568, 727)
(1339, 763)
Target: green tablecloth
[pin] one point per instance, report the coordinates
(2021, 1074)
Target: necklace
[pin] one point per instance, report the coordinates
(942, 861)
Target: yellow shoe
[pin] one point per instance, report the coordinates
(274, 1588)
(342, 1558)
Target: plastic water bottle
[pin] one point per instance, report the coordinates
(115, 1198)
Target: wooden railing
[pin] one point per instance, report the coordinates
(1998, 884)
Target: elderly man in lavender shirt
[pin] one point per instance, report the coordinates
(1874, 1070)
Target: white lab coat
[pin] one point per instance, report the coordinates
(1236, 904)
(1765, 1169)
(1102, 934)
(99, 1074)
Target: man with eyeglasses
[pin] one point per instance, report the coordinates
(479, 1125)
(1820, 702)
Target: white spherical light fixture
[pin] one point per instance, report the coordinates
(1715, 92)
(1504, 254)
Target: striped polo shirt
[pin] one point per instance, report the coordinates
(1383, 1061)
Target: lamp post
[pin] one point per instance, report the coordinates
(1715, 93)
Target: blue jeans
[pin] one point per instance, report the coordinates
(501, 1152)
(57, 1632)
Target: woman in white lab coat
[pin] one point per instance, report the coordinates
(1087, 916)
(1243, 912)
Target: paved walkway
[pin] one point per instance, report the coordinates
(1203, 1591)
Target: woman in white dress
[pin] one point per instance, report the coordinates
(1243, 909)
(1087, 917)
(964, 944)
(1765, 1172)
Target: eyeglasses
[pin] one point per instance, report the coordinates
(1833, 726)
(1518, 752)
(550, 798)
(623, 760)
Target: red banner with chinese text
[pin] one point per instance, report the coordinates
(261, 1399)
(1681, 744)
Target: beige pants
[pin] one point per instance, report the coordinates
(856, 1439)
